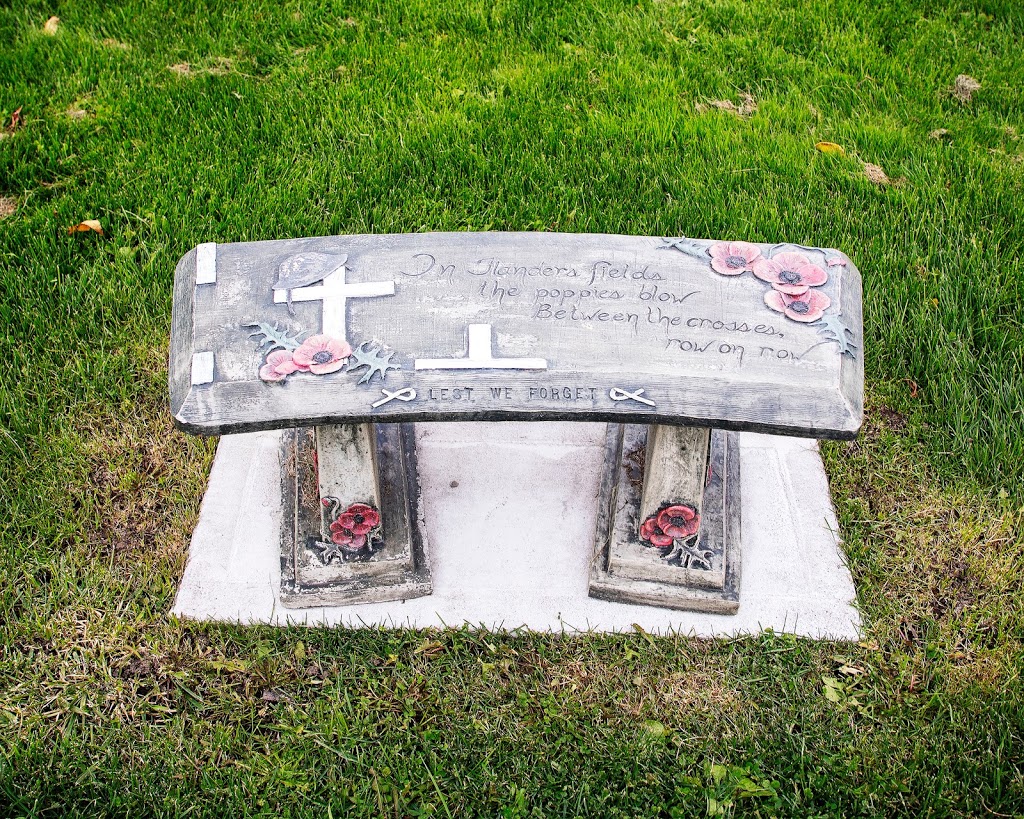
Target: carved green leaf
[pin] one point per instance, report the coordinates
(832, 328)
(690, 247)
(273, 337)
(373, 358)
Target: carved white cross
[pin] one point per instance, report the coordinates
(334, 293)
(480, 356)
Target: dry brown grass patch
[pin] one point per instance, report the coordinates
(221, 66)
(875, 174)
(678, 694)
(747, 106)
(670, 697)
(142, 484)
(218, 67)
(964, 87)
(940, 565)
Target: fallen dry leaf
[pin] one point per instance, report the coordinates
(875, 174)
(940, 133)
(830, 148)
(180, 68)
(16, 120)
(429, 649)
(8, 204)
(87, 225)
(964, 87)
(50, 26)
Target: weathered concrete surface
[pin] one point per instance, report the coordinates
(517, 326)
(510, 514)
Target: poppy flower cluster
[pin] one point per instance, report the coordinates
(352, 527)
(672, 523)
(793, 278)
(318, 354)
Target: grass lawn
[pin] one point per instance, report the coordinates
(180, 122)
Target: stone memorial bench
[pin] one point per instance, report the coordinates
(677, 344)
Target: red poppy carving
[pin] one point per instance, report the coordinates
(354, 524)
(651, 532)
(679, 521)
(672, 522)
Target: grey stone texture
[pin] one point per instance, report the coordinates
(534, 326)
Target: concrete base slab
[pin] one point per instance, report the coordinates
(510, 513)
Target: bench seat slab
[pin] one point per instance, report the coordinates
(517, 326)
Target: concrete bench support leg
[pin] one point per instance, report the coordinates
(668, 529)
(351, 531)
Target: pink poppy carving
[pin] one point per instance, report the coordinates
(791, 273)
(322, 354)
(807, 306)
(354, 524)
(279, 364)
(679, 521)
(733, 258)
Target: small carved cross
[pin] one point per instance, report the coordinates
(334, 292)
(480, 356)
